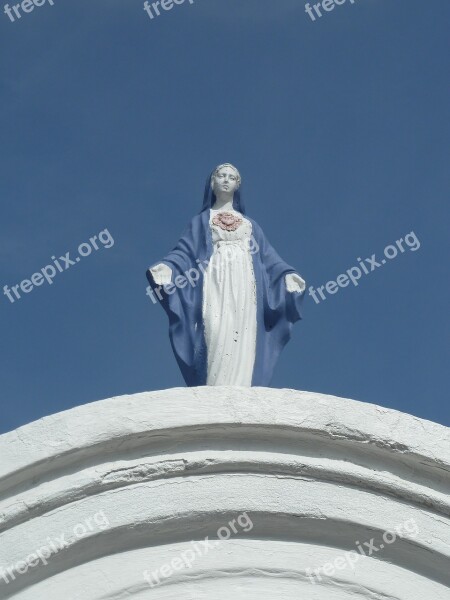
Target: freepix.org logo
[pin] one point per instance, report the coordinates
(407, 530)
(53, 545)
(365, 267)
(153, 9)
(16, 11)
(59, 265)
(192, 275)
(315, 10)
(187, 558)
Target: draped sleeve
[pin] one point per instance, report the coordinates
(183, 305)
(278, 309)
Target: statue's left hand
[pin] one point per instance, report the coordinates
(294, 283)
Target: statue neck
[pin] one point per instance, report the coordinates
(223, 202)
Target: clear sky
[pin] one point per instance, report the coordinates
(111, 121)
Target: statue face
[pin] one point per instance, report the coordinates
(225, 180)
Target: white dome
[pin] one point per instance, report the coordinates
(308, 486)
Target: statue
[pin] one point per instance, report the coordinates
(231, 300)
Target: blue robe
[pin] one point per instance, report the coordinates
(276, 308)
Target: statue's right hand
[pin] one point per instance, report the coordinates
(162, 274)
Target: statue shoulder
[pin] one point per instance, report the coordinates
(193, 226)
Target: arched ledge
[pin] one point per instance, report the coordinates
(156, 421)
(315, 472)
(271, 569)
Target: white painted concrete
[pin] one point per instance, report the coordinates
(128, 483)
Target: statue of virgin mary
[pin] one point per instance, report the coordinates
(231, 300)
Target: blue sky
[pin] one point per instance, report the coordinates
(111, 120)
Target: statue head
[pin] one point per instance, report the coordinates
(226, 179)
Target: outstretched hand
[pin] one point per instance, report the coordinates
(162, 274)
(294, 283)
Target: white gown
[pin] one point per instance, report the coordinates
(229, 305)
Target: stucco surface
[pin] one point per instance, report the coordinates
(154, 472)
